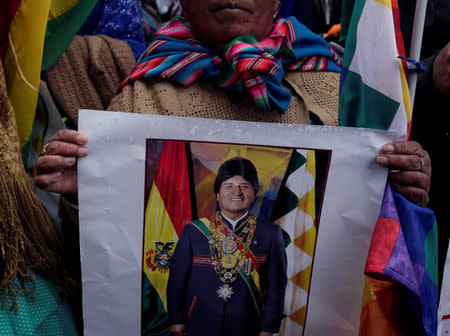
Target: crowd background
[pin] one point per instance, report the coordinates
(83, 50)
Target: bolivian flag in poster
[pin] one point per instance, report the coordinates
(167, 212)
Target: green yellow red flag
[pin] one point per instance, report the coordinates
(23, 33)
(65, 18)
(167, 213)
(24, 27)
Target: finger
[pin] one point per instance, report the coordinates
(404, 147)
(51, 163)
(413, 194)
(71, 136)
(411, 178)
(66, 149)
(403, 162)
(45, 181)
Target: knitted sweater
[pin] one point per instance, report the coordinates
(314, 94)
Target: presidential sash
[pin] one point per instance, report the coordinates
(234, 256)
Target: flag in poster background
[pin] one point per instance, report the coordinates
(295, 212)
(374, 94)
(167, 213)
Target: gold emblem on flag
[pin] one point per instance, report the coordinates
(159, 259)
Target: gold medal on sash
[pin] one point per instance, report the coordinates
(227, 257)
(228, 261)
(229, 245)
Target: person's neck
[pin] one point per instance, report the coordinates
(234, 218)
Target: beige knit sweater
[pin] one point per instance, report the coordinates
(316, 92)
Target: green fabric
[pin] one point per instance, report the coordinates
(62, 29)
(363, 105)
(431, 253)
(353, 16)
(155, 321)
(46, 315)
(346, 15)
(253, 290)
(25, 152)
(201, 227)
(286, 238)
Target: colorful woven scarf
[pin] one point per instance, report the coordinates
(244, 64)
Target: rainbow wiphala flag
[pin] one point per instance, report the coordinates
(295, 212)
(374, 94)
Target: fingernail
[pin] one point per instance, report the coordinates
(69, 161)
(82, 139)
(382, 159)
(83, 151)
(388, 148)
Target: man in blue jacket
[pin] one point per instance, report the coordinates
(228, 272)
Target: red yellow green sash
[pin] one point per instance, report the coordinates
(249, 271)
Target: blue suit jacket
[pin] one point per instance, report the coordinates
(191, 290)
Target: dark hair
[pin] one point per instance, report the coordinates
(237, 166)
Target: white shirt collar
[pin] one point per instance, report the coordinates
(233, 222)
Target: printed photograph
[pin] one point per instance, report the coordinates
(229, 237)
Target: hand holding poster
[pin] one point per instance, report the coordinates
(129, 216)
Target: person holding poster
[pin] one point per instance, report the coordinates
(228, 273)
(229, 59)
(238, 63)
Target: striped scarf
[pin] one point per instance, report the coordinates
(243, 65)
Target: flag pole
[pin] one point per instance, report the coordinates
(416, 43)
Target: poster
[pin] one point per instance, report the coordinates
(131, 219)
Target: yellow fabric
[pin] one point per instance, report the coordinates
(405, 90)
(164, 231)
(59, 7)
(23, 62)
(386, 3)
(300, 224)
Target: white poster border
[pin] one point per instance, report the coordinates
(111, 208)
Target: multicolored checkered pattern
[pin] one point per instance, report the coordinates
(374, 94)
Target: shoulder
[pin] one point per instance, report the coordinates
(319, 91)
(268, 226)
(164, 97)
(198, 226)
(190, 227)
(143, 96)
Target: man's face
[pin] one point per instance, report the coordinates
(235, 196)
